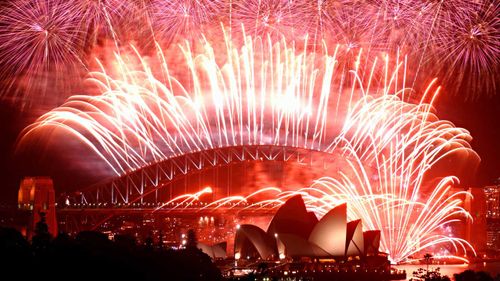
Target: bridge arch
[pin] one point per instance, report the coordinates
(145, 185)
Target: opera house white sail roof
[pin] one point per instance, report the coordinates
(294, 232)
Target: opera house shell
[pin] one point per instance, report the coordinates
(296, 233)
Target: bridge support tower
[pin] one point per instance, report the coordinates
(36, 195)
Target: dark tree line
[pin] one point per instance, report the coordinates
(468, 275)
(471, 275)
(92, 256)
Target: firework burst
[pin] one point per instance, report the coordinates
(273, 17)
(355, 26)
(40, 41)
(184, 18)
(102, 16)
(458, 41)
(392, 145)
(467, 46)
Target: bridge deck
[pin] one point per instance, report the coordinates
(169, 211)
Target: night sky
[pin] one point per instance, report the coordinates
(481, 117)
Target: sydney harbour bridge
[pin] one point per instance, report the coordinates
(189, 185)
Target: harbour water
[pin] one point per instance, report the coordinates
(491, 267)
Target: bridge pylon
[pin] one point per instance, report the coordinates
(36, 195)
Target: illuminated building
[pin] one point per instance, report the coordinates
(492, 194)
(36, 195)
(296, 233)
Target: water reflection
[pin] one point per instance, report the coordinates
(493, 268)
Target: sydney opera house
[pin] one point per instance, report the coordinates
(296, 234)
(297, 243)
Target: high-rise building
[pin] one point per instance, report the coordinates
(492, 194)
(36, 195)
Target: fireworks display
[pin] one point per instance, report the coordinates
(265, 94)
(383, 182)
(41, 39)
(467, 48)
(169, 78)
(272, 94)
(184, 18)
